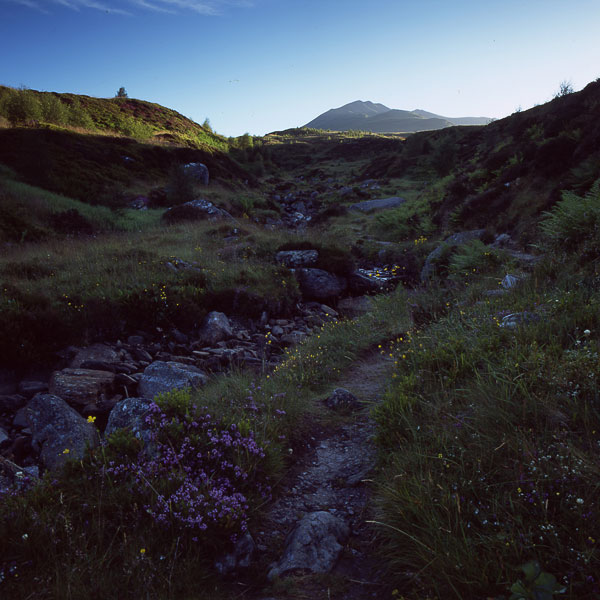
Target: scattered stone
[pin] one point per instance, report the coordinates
(319, 284)
(314, 545)
(240, 558)
(342, 400)
(368, 206)
(20, 419)
(96, 352)
(515, 320)
(135, 340)
(510, 281)
(81, 386)
(162, 377)
(30, 388)
(215, 328)
(58, 431)
(195, 210)
(297, 258)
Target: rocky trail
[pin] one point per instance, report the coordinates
(316, 541)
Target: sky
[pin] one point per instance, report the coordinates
(257, 66)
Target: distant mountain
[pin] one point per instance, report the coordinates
(368, 116)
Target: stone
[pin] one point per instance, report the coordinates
(58, 431)
(197, 171)
(20, 419)
(320, 285)
(162, 377)
(135, 340)
(293, 338)
(239, 558)
(194, 210)
(456, 239)
(368, 206)
(342, 400)
(81, 386)
(130, 414)
(215, 328)
(8, 382)
(510, 281)
(30, 388)
(314, 545)
(364, 282)
(3, 436)
(297, 258)
(515, 320)
(95, 352)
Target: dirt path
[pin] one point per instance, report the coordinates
(330, 476)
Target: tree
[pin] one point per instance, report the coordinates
(122, 93)
(564, 89)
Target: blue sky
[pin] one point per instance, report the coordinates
(262, 65)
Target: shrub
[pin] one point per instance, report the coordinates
(574, 223)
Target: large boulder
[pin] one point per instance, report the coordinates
(456, 239)
(58, 431)
(81, 386)
(314, 545)
(215, 328)
(368, 206)
(162, 377)
(197, 171)
(320, 285)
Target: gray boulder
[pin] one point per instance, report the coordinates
(58, 431)
(215, 328)
(320, 285)
(129, 414)
(510, 281)
(297, 258)
(97, 353)
(456, 239)
(197, 171)
(197, 209)
(368, 206)
(314, 545)
(162, 377)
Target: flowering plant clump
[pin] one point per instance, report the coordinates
(196, 474)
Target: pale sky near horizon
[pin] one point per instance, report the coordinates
(263, 65)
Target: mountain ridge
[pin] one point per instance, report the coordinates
(378, 118)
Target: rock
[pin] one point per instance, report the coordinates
(12, 403)
(3, 436)
(293, 338)
(502, 240)
(510, 281)
(58, 431)
(130, 414)
(456, 239)
(98, 365)
(81, 386)
(360, 283)
(342, 400)
(319, 284)
(297, 258)
(20, 419)
(162, 377)
(215, 328)
(239, 558)
(314, 545)
(95, 352)
(368, 206)
(355, 307)
(515, 320)
(277, 330)
(135, 340)
(197, 171)
(195, 210)
(8, 382)
(30, 388)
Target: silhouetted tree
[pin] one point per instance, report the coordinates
(122, 93)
